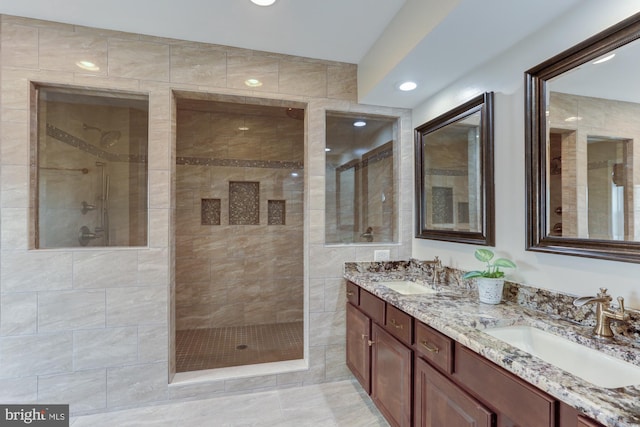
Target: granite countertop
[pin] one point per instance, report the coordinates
(456, 312)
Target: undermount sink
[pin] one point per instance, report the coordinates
(591, 365)
(407, 287)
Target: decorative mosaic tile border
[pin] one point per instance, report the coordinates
(62, 136)
(239, 163)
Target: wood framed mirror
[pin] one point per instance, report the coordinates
(454, 174)
(582, 133)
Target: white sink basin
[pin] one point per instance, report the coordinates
(407, 287)
(584, 362)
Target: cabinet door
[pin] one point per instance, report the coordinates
(586, 422)
(358, 349)
(439, 402)
(391, 377)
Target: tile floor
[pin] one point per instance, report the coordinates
(338, 404)
(198, 349)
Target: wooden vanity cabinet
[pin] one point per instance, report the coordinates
(415, 374)
(440, 402)
(377, 356)
(358, 349)
(391, 377)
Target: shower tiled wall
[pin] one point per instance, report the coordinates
(95, 327)
(243, 271)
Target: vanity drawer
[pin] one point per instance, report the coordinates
(518, 401)
(353, 293)
(435, 347)
(399, 324)
(372, 306)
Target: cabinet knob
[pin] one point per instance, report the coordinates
(371, 343)
(430, 347)
(396, 324)
(349, 293)
(365, 336)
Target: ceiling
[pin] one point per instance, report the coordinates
(429, 41)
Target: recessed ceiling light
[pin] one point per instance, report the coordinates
(294, 174)
(253, 82)
(604, 59)
(87, 65)
(407, 86)
(573, 119)
(359, 123)
(327, 149)
(243, 128)
(263, 2)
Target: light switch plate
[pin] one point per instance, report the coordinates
(381, 255)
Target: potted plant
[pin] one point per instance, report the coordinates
(490, 281)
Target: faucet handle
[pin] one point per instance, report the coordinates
(621, 304)
(603, 292)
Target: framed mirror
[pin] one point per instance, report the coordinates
(454, 174)
(582, 154)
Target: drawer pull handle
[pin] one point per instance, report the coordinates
(371, 343)
(349, 293)
(364, 336)
(430, 347)
(395, 324)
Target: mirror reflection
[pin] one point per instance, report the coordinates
(583, 109)
(591, 132)
(360, 195)
(453, 174)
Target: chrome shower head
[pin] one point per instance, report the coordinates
(108, 138)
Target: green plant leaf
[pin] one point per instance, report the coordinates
(505, 263)
(472, 274)
(483, 255)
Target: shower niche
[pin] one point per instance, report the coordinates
(89, 168)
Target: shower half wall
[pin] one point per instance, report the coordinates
(239, 232)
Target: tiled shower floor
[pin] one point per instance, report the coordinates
(198, 349)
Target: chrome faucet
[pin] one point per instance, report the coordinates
(604, 313)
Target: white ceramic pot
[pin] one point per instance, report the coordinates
(490, 290)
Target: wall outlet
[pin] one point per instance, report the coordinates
(381, 255)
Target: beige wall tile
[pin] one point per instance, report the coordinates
(138, 60)
(243, 67)
(198, 64)
(18, 313)
(64, 50)
(105, 347)
(153, 267)
(15, 143)
(105, 269)
(342, 82)
(69, 310)
(19, 46)
(303, 78)
(15, 235)
(19, 390)
(137, 306)
(42, 354)
(137, 383)
(36, 271)
(15, 186)
(87, 390)
(152, 343)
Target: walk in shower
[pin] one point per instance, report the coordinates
(91, 168)
(239, 232)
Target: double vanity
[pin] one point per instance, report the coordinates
(430, 354)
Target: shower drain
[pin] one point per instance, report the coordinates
(241, 347)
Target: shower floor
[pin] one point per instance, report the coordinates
(198, 349)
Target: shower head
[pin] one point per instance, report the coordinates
(108, 138)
